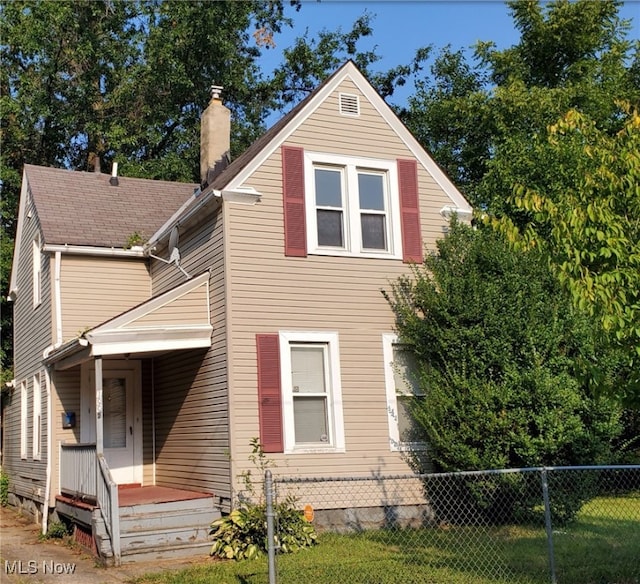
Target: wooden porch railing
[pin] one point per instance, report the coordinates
(85, 474)
(79, 470)
(109, 506)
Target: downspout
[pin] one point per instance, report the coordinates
(57, 299)
(58, 308)
(47, 484)
(153, 417)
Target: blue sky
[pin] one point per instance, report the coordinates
(400, 27)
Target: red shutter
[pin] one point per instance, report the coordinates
(269, 395)
(410, 211)
(295, 233)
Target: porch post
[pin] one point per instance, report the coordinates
(99, 416)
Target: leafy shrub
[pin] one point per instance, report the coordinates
(242, 534)
(57, 530)
(4, 488)
(503, 367)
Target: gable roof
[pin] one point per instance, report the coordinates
(83, 209)
(233, 177)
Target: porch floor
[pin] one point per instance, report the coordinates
(152, 494)
(130, 496)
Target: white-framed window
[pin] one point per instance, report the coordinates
(352, 206)
(37, 271)
(37, 417)
(402, 386)
(311, 392)
(24, 402)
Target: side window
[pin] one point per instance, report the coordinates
(37, 271)
(311, 392)
(402, 386)
(23, 419)
(37, 417)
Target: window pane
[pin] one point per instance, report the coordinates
(310, 414)
(405, 372)
(115, 413)
(373, 231)
(328, 187)
(330, 228)
(307, 369)
(407, 427)
(371, 191)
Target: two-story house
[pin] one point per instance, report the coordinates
(252, 309)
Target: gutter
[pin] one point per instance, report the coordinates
(134, 252)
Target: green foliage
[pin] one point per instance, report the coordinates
(4, 488)
(56, 530)
(501, 352)
(242, 534)
(587, 220)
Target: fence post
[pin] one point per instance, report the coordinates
(548, 524)
(271, 543)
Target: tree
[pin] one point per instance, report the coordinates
(502, 353)
(587, 219)
(570, 55)
(88, 82)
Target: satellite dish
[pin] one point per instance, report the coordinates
(173, 239)
(174, 252)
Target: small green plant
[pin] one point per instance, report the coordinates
(56, 530)
(4, 488)
(135, 239)
(243, 533)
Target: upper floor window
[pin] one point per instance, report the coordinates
(403, 386)
(37, 271)
(352, 206)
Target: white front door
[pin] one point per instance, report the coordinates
(122, 418)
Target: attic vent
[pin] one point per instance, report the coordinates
(349, 104)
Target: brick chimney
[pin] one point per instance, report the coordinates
(215, 137)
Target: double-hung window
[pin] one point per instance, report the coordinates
(311, 392)
(352, 206)
(24, 401)
(403, 386)
(37, 417)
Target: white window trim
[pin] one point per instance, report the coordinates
(37, 417)
(334, 400)
(37, 271)
(395, 444)
(351, 208)
(24, 401)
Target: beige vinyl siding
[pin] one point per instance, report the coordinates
(65, 397)
(191, 411)
(188, 309)
(269, 292)
(95, 289)
(32, 335)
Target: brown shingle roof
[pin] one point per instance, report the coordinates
(82, 208)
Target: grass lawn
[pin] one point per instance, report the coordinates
(600, 547)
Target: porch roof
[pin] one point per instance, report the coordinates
(177, 319)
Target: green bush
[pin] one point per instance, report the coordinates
(4, 488)
(242, 534)
(503, 367)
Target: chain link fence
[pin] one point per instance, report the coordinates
(538, 525)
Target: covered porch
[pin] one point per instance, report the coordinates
(106, 457)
